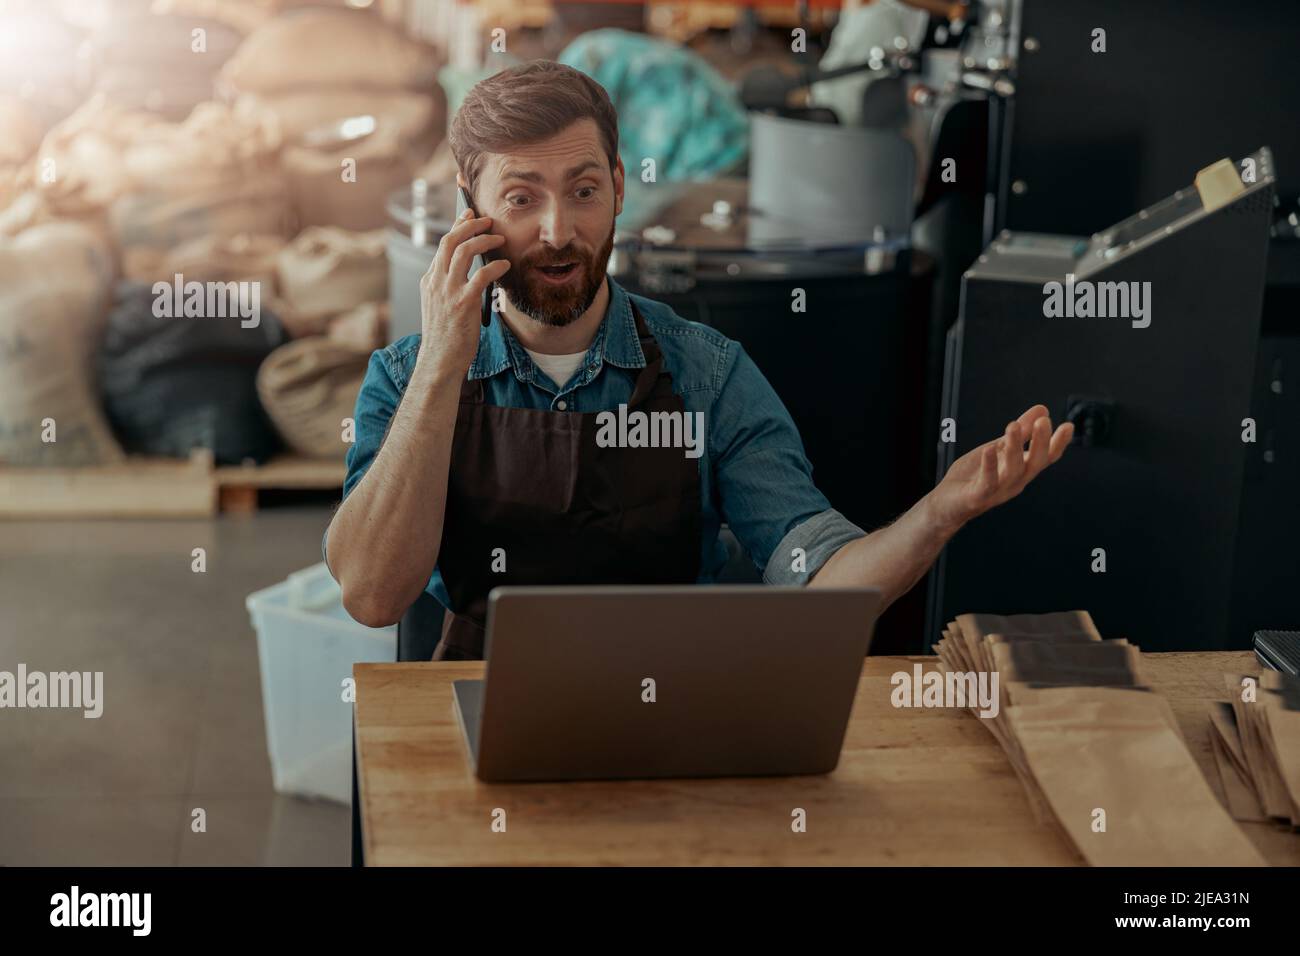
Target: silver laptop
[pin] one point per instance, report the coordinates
(590, 683)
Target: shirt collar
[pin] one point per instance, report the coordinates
(615, 342)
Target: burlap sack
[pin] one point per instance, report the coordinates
(315, 48)
(21, 212)
(418, 118)
(54, 286)
(241, 258)
(214, 145)
(216, 175)
(244, 15)
(174, 382)
(308, 388)
(365, 327)
(80, 166)
(325, 271)
(348, 187)
(147, 225)
(39, 59)
(19, 137)
(20, 133)
(98, 14)
(150, 61)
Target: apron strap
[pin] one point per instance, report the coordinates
(649, 377)
(471, 390)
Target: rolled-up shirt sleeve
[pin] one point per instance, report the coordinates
(816, 539)
(764, 481)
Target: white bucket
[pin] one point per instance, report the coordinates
(306, 646)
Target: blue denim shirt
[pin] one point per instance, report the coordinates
(754, 475)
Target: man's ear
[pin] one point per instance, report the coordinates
(618, 186)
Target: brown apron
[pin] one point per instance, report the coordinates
(531, 490)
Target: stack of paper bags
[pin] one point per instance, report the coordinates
(1097, 750)
(1256, 742)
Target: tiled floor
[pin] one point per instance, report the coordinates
(182, 726)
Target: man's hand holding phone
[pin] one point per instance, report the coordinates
(451, 303)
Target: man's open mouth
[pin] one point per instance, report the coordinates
(558, 271)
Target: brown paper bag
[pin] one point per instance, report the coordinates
(1095, 664)
(1239, 794)
(1056, 622)
(1281, 700)
(1117, 754)
(968, 646)
(1251, 726)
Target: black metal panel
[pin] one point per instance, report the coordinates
(1267, 589)
(1161, 496)
(1182, 83)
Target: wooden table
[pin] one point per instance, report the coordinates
(913, 787)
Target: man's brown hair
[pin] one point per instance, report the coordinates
(527, 104)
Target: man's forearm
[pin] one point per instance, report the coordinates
(383, 542)
(892, 558)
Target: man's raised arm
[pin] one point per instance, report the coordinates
(382, 545)
(898, 555)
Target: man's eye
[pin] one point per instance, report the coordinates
(589, 190)
(523, 200)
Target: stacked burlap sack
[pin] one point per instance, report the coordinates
(153, 184)
(168, 185)
(242, 15)
(336, 283)
(20, 135)
(54, 285)
(316, 68)
(39, 62)
(173, 382)
(217, 174)
(328, 289)
(161, 63)
(1097, 750)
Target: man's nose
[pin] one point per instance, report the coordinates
(557, 224)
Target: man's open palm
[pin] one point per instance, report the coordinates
(999, 470)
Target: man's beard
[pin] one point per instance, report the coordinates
(557, 305)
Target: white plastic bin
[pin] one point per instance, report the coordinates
(306, 646)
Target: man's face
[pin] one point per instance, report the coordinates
(555, 202)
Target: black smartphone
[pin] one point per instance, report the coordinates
(478, 262)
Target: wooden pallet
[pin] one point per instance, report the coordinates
(238, 485)
(156, 488)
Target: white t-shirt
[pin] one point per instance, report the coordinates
(559, 367)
